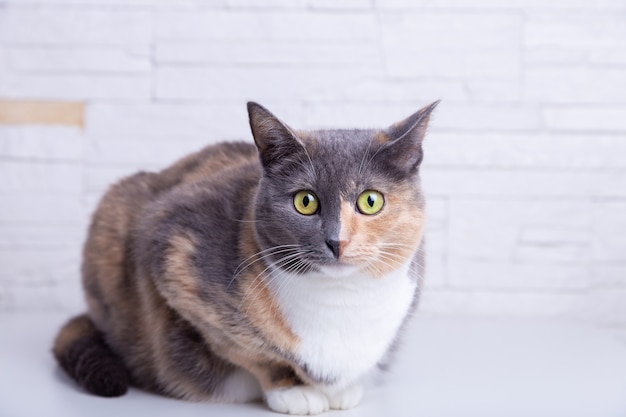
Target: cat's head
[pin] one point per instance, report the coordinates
(339, 201)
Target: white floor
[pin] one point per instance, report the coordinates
(448, 367)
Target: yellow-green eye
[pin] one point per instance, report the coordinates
(305, 203)
(370, 202)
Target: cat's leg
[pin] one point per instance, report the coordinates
(240, 387)
(346, 398)
(307, 399)
(300, 399)
(287, 393)
(283, 390)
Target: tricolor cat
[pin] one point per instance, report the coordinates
(282, 271)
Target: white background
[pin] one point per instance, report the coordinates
(525, 166)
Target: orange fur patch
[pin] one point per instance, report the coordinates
(385, 240)
(177, 263)
(180, 285)
(257, 302)
(381, 138)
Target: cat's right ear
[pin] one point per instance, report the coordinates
(274, 139)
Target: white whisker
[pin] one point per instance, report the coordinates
(369, 145)
(261, 255)
(261, 277)
(372, 158)
(287, 276)
(282, 261)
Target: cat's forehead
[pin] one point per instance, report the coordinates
(342, 159)
(340, 142)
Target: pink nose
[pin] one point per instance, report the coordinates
(336, 246)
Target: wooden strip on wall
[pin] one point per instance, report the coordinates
(42, 112)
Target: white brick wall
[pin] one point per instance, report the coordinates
(525, 168)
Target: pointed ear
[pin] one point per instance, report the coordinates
(404, 139)
(274, 139)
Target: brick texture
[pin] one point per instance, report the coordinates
(525, 170)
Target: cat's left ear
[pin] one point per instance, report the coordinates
(404, 139)
(274, 139)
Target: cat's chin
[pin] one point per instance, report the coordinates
(339, 270)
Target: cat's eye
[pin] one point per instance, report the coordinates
(306, 203)
(370, 202)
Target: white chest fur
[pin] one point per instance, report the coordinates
(345, 324)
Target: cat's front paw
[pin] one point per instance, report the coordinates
(348, 398)
(297, 400)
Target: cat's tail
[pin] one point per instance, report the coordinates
(82, 352)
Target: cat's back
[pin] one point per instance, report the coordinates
(108, 269)
(205, 164)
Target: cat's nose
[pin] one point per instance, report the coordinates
(335, 246)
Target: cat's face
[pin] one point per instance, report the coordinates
(339, 201)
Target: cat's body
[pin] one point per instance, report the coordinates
(210, 280)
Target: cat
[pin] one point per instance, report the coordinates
(283, 271)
